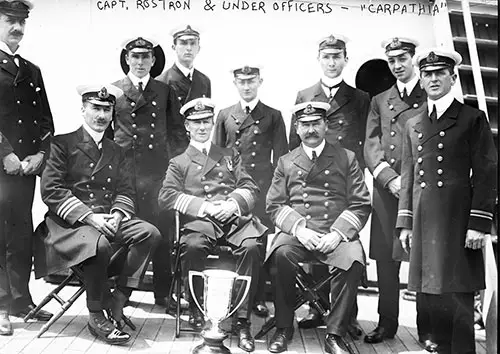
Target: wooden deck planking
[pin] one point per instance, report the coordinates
(155, 331)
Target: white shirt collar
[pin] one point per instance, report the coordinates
(250, 104)
(96, 136)
(185, 70)
(4, 47)
(200, 146)
(330, 82)
(410, 85)
(135, 80)
(309, 151)
(442, 104)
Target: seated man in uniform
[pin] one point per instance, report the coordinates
(319, 201)
(215, 195)
(87, 188)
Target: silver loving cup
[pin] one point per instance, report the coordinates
(217, 294)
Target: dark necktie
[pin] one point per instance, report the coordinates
(204, 151)
(247, 110)
(141, 88)
(405, 95)
(189, 76)
(433, 115)
(314, 156)
(330, 88)
(99, 147)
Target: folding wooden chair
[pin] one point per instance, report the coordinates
(76, 274)
(220, 253)
(307, 291)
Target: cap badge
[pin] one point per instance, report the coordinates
(103, 93)
(331, 39)
(395, 43)
(246, 70)
(309, 109)
(432, 58)
(140, 42)
(188, 28)
(199, 106)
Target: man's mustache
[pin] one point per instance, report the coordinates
(312, 135)
(17, 33)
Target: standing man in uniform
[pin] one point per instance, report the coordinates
(346, 120)
(256, 131)
(215, 196)
(88, 190)
(320, 202)
(448, 191)
(188, 82)
(25, 129)
(149, 127)
(389, 112)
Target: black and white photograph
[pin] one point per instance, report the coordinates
(248, 176)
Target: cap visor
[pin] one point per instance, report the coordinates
(434, 67)
(200, 116)
(395, 53)
(99, 103)
(309, 118)
(245, 77)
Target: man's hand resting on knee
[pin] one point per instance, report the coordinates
(104, 223)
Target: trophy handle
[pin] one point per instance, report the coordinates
(247, 288)
(192, 274)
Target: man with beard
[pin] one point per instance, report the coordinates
(149, 127)
(319, 201)
(25, 129)
(188, 82)
(346, 120)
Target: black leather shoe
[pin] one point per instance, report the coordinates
(336, 345)
(354, 329)
(429, 345)
(116, 311)
(378, 335)
(245, 339)
(41, 315)
(280, 339)
(196, 320)
(100, 327)
(5, 325)
(260, 309)
(312, 320)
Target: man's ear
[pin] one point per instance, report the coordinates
(453, 79)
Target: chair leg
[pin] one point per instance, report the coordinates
(65, 306)
(50, 296)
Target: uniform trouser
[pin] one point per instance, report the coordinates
(321, 271)
(162, 275)
(195, 247)
(388, 300)
(16, 241)
(141, 238)
(452, 322)
(343, 289)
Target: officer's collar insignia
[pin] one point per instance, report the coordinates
(432, 58)
(103, 94)
(309, 109)
(199, 106)
(395, 43)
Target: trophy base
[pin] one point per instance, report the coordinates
(211, 346)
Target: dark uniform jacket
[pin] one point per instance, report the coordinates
(330, 194)
(151, 131)
(384, 141)
(346, 117)
(193, 178)
(440, 199)
(186, 89)
(77, 180)
(254, 136)
(25, 118)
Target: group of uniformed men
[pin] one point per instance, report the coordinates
(418, 142)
